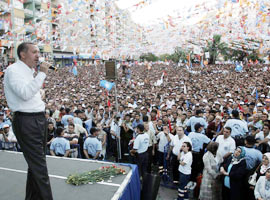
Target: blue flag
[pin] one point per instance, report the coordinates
(106, 84)
(257, 96)
(238, 68)
(74, 70)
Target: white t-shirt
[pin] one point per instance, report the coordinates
(260, 136)
(186, 158)
(163, 141)
(141, 143)
(176, 143)
(225, 146)
(238, 127)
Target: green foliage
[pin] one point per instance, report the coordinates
(102, 174)
(215, 48)
(149, 57)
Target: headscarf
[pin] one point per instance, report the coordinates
(264, 167)
(236, 160)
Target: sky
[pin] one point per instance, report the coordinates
(154, 10)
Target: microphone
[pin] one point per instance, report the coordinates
(42, 59)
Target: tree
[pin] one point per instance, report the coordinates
(216, 47)
(149, 57)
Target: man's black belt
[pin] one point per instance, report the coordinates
(29, 114)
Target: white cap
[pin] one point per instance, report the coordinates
(259, 105)
(5, 126)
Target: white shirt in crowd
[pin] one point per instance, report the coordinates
(163, 141)
(22, 90)
(225, 146)
(239, 128)
(186, 158)
(115, 128)
(260, 136)
(141, 143)
(176, 143)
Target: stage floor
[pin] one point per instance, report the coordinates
(13, 173)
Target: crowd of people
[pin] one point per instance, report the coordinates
(210, 122)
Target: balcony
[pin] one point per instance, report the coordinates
(28, 13)
(3, 6)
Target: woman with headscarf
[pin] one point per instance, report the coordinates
(234, 169)
(264, 165)
(262, 188)
(210, 187)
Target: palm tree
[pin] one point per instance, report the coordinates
(215, 48)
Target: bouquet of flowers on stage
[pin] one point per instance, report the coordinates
(105, 173)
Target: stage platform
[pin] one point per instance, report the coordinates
(13, 173)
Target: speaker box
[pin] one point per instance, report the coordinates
(111, 71)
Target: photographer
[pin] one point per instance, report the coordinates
(8, 138)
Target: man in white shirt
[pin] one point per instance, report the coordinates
(22, 91)
(175, 147)
(164, 138)
(226, 145)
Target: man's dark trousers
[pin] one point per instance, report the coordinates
(31, 132)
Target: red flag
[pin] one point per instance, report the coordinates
(170, 126)
(109, 103)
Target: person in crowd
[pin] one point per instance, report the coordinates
(234, 170)
(263, 139)
(210, 186)
(197, 119)
(164, 137)
(175, 147)
(115, 136)
(102, 137)
(185, 162)
(92, 146)
(255, 123)
(64, 120)
(226, 145)
(214, 128)
(50, 134)
(151, 147)
(141, 144)
(7, 137)
(126, 134)
(239, 128)
(253, 156)
(262, 188)
(60, 146)
(199, 141)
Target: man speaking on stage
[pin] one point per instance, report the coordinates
(22, 91)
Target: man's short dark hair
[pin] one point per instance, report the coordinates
(23, 47)
(197, 127)
(235, 114)
(58, 131)
(93, 130)
(228, 128)
(67, 110)
(140, 127)
(145, 118)
(250, 140)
